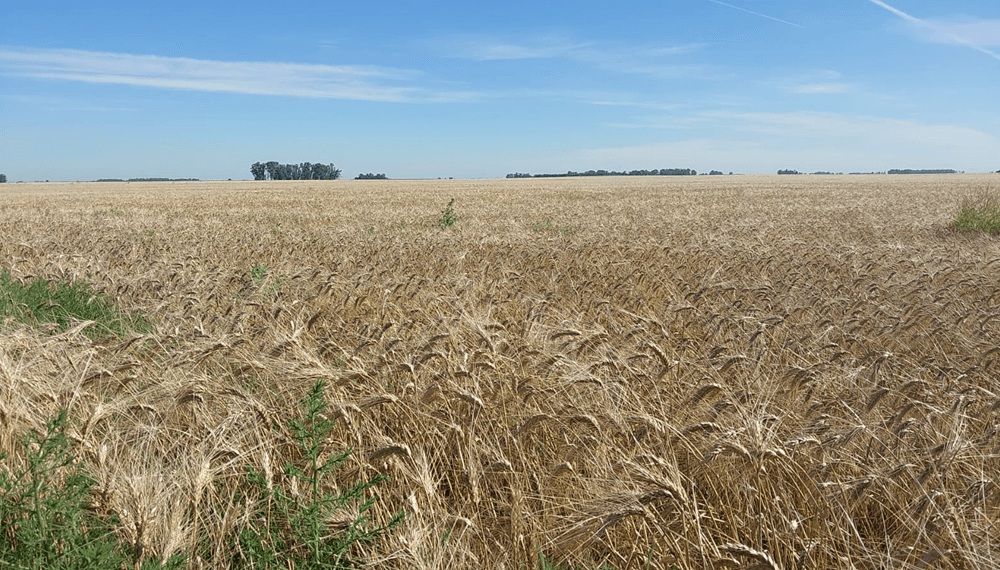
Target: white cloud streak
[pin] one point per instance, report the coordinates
(364, 83)
(810, 141)
(505, 51)
(821, 88)
(755, 13)
(980, 33)
(640, 60)
(947, 33)
(630, 103)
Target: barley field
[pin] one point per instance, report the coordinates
(652, 372)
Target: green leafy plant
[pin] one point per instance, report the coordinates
(59, 302)
(257, 274)
(979, 212)
(260, 283)
(545, 226)
(448, 216)
(548, 227)
(47, 516)
(295, 530)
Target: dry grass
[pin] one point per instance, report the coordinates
(773, 372)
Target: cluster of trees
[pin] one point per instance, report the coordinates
(371, 176)
(3, 178)
(789, 172)
(654, 172)
(933, 171)
(305, 171)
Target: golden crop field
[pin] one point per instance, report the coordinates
(650, 372)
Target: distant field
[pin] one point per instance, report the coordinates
(662, 372)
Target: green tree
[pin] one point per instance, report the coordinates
(258, 171)
(306, 171)
(3, 178)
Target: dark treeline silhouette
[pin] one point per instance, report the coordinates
(305, 171)
(371, 176)
(912, 171)
(654, 172)
(789, 172)
(3, 178)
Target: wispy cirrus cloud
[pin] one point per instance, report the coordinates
(492, 48)
(364, 83)
(980, 33)
(617, 102)
(544, 48)
(650, 61)
(822, 88)
(836, 127)
(814, 82)
(765, 142)
(974, 35)
(660, 123)
(755, 13)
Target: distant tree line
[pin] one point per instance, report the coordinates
(305, 171)
(147, 180)
(371, 176)
(3, 178)
(163, 180)
(789, 172)
(654, 172)
(912, 171)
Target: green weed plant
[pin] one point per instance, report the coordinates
(292, 531)
(448, 216)
(46, 514)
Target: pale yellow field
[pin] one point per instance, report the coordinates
(662, 372)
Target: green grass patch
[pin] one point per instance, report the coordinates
(979, 212)
(63, 304)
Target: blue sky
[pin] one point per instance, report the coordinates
(477, 90)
